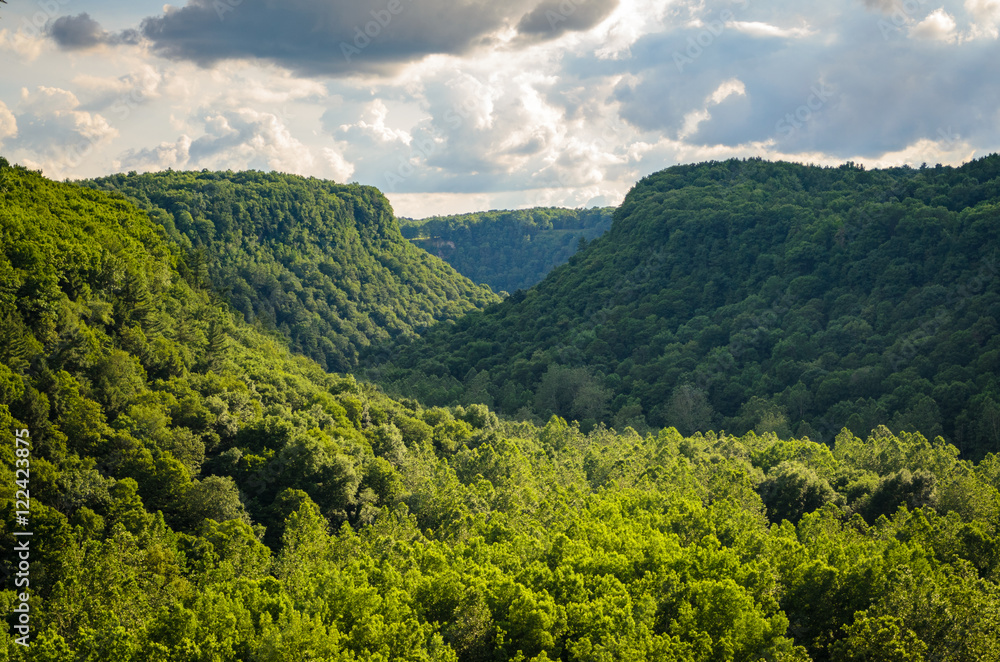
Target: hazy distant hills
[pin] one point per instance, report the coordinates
(323, 263)
(508, 250)
(749, 295)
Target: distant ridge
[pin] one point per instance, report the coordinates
(512, 249)
(750, 295)
(323, 263)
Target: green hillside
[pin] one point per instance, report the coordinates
(748, 295)
(196, 492)
(508, 250)
(322, 263)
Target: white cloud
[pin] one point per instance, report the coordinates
(986, 17)
(374, 126)
(8, 123)
(240, 139)
(166, 155)
(338, 166)
(252, 139)
(54, 134)
(567, 120)
(939, 25)
(726, 90)
(24, 44)
(691, 122)
(47, 100)
(693, 119)
(626, 25)
(945, 149)
(145, 81)
(760, 29)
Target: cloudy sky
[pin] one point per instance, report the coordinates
(461, 105)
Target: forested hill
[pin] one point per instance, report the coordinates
(749, 295)
(194, 491)
(508, 250)
(323, 263)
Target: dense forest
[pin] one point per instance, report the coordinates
(748, 295)
(508, 250)
(322, 263)
(199, 492)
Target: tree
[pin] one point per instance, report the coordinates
(688, 410)
(903, 488)
(792, 489)
(882, 638)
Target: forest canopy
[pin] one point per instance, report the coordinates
(508, 250)
(748, 295)
(322, 263)
(200, 492)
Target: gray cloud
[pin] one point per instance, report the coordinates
(72, 33)
(77, 32)
(554, 17)
(323, 37)
(854, 88)
(884, 6)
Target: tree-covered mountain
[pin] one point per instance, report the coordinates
(508, 250)
(749, 295)
(197, 492)
(323, 263)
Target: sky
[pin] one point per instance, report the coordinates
(466, 105)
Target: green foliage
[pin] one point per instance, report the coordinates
(791, 490)
(321, 263)
(508, 250)
(237, 502)
(747, 295)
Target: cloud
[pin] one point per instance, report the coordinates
(850, 90)
(26, 44)
(939, 25)
(693, 119)
(8, 123)
(759, 29)
(344, 37)
(76, 33)
(166, 155)
(120, 94)
(552, 18)
(372, 128)
(505, 122)
(241, 139)
(53, 133)
(986, 17)
(884, 6)
(726, 90)
(468, 103)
